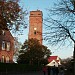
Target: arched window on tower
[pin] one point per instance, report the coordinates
(35, 31)
(7, 59)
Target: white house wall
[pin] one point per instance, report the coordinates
(52, 63)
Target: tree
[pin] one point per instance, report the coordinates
(60, 23)
(33, 52)
(12, 16)
(17, 47)
(68, 65)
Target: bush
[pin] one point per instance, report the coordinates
(13, 67)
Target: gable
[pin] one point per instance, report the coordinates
(55, 59)
(53, 63)
(6, 35)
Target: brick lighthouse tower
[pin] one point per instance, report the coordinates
(35, 25)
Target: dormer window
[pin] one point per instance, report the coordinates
(3, 32)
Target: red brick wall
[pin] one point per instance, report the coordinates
(7, 38)
(35, 21)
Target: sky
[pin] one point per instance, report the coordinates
(32, 5)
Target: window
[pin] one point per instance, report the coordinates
(34, 28)
(35, 32)
(32, 14)
(3, 45)
(2, 59)
(7, 59)
(3, 32)
(39, 14)
(8, 46)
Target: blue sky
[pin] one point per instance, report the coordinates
(30, 5)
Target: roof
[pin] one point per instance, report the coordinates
(53, 58)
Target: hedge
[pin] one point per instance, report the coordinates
(14, 67)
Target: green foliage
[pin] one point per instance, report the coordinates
(11, 15)
(33, 53)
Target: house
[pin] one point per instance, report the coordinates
(6, 47)
(54, 61)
